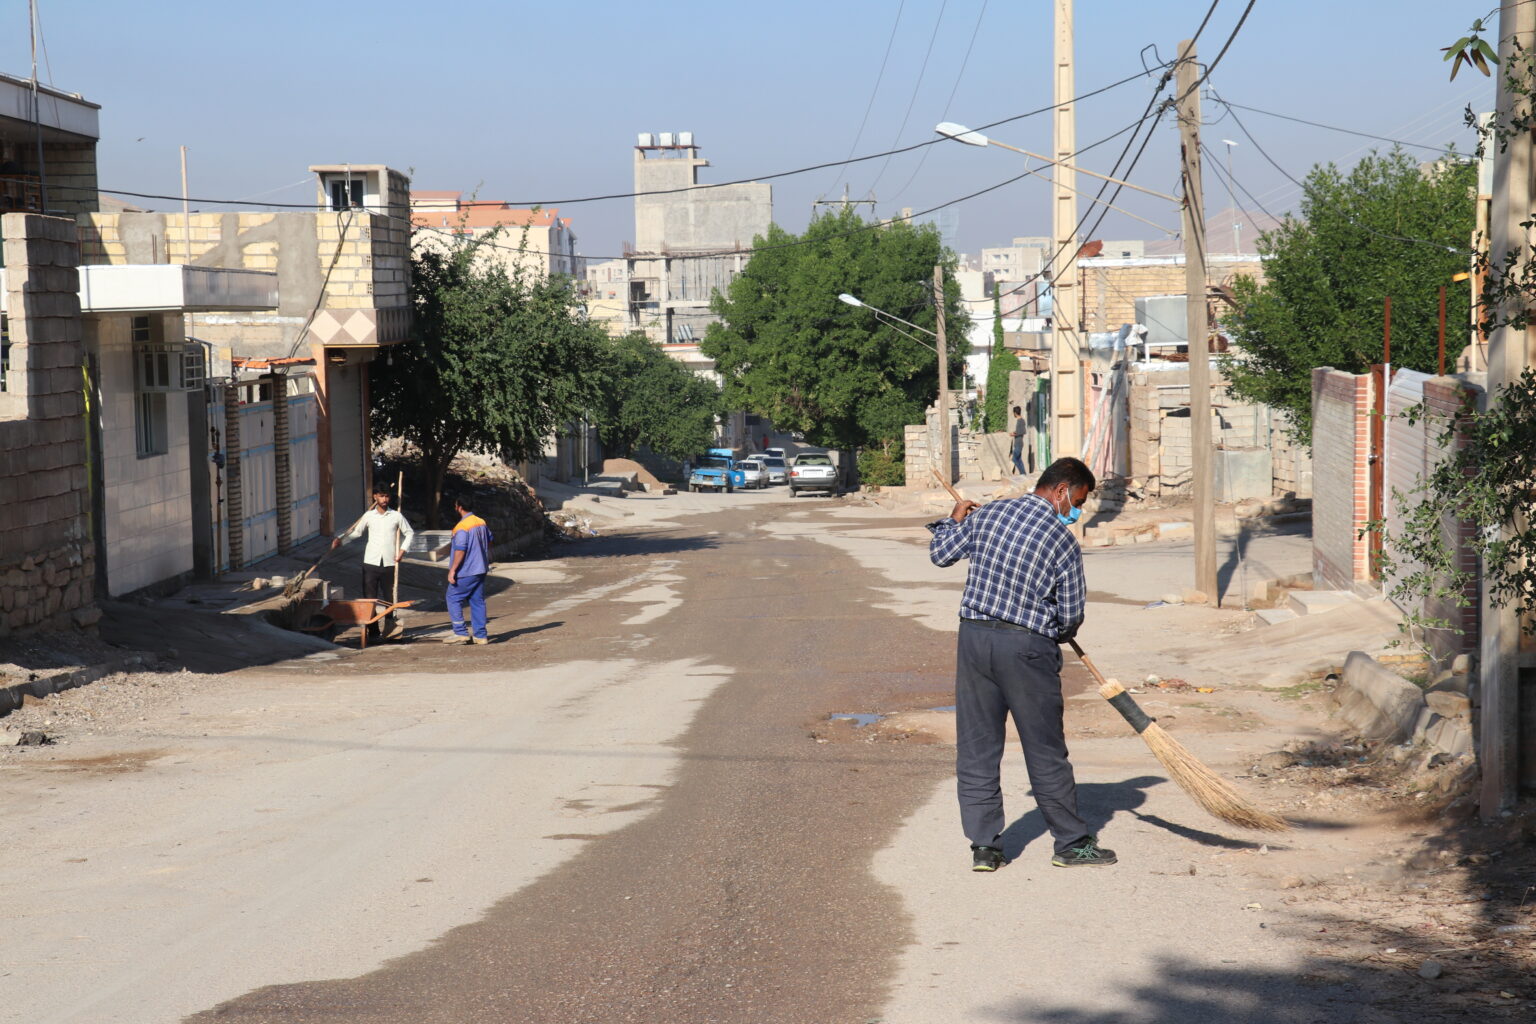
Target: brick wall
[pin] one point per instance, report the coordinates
(47, 557)
(1341, 410)
(1113, 285)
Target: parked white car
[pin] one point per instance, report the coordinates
(754, 472)
(813, 472)
(775, 466)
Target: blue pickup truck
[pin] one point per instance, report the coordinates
(716, 471)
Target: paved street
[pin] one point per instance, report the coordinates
(618, 812)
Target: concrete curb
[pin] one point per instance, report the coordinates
(41, 686)
(1378, 702)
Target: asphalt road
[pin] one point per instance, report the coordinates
(746, 895)
(617, 811)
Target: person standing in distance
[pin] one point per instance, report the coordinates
(1020, 431)
(1024, 596)
(466, 575)
(388, 537)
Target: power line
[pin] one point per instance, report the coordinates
(864, 121)
(1220, 53)
(1307, 191)
(959, 76)
(1335, 128)
(547, 203)
(873, 226)
(921, 71)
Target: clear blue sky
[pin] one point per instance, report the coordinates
(541, 101)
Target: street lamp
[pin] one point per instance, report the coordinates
(1066, 426)
(940, 350)
(1231, 182)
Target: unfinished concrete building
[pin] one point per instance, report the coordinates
(690, 240)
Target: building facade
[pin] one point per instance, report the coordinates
(691, 239)
(534, 241)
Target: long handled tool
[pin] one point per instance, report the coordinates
(296, 582)
(1208, 789)
(400, 498)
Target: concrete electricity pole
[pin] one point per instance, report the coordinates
(1066, 375)
(946, 457)
(1197, 327)
(1509, 352)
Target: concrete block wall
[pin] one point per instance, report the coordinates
(47, 557)
(1341, 410)
(1161, 453)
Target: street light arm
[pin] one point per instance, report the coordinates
(853, 301)
(960, 133)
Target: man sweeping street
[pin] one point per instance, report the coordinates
(1024, 596)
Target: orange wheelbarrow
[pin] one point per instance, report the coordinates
(340, 615)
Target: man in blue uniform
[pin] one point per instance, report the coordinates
(466, 575)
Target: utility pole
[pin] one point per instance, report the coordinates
(1197, 328)
(946, 459)
(1509, 352)
(1066, 378)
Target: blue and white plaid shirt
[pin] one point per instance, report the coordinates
(1026, 567)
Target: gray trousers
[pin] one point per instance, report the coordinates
(1000, 672)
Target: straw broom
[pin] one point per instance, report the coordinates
(1204, 786)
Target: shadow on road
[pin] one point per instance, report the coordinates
(1099, 802)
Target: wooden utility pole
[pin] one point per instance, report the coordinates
(1066, 378)
(946, 457)
(1197, 328)
(1509, 352)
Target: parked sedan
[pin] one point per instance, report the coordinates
(812, 472)
(753, 472)
(776, 468)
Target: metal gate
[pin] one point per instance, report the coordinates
(258, 481)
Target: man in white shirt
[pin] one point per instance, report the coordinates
(388, 536)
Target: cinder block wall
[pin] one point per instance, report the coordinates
(1162, 457)
(47, 557)
(1341, 439)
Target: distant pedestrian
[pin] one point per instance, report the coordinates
(1024, 595)
(765, 442)
(1020, 431)
(466, 575)
(388, 536)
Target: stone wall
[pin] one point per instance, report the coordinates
(1161, 454)
(47, 557)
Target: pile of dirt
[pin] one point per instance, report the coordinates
(498, 492)
(625, 467)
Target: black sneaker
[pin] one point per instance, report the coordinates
(1087, 852)
(986, 858)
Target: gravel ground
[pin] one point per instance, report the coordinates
(120, 704)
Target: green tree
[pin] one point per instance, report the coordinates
(648, 398)
(1387, 228)
(495, 362)
(789, 350)
(997, 390)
